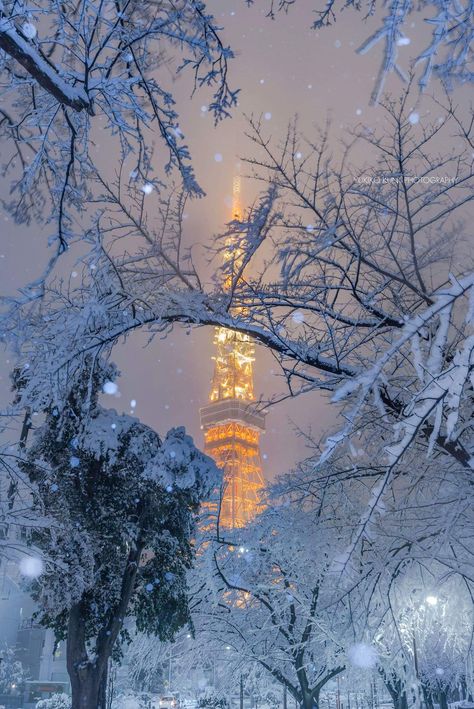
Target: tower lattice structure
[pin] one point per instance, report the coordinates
(231, 422)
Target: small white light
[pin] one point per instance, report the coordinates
(431, 600)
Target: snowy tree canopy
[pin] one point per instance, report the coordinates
(270, 600)
(12, 674)
(377, 309)
(123, 506)
(73, 72)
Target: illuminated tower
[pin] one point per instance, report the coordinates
(231, 423)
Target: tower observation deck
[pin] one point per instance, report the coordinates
(232, 425)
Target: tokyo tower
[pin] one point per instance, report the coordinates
(231, 423)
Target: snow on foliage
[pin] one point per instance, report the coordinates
(11, 671)
(179, 463)
(212, 700)
(119, 545)
(267, 590)
(57, 701)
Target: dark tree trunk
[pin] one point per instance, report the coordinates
(87, 694)
(428, 697)
(443, 700)
(103, 689)
(396, 690)
(309, 700)
(89, 677)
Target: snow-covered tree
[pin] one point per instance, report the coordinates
(70, 73)
(425, 640)
(12, 674)
(275, 603)
(212, 700)
(57, 701)
(365, 293)
(122, 504)
(448, 53)
(363, 283)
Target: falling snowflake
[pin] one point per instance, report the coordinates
(147, 188)
(267, 116)
(29, 30)
(403, 41)
(110, 388)
(74, 461)
(362, 655)
(218, 157)
(31, 567)
(298, 317)
(203, 109)
(414, 118)
(133, 403)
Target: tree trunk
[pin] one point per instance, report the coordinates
(443, 700)
(309, 701)
(103, 689)
(87, 690)
(397, 693)
(89, 676)
(86, 677)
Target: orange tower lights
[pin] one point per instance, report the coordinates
(231, 423)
